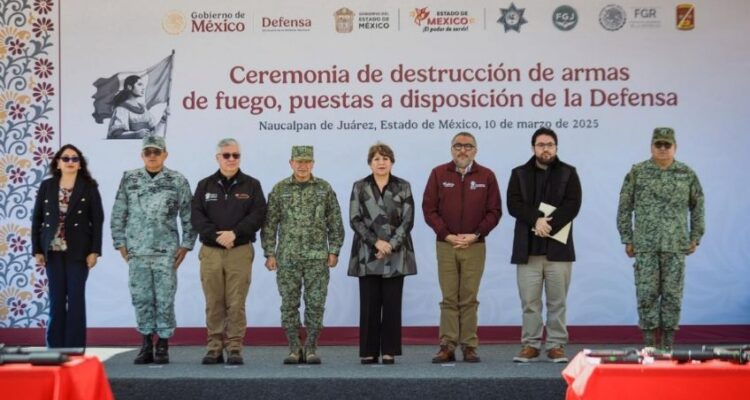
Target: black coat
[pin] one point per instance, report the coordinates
(241, 208)
(563, 190)
(83, 222)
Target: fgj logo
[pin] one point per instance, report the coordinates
(565, 18)
(685, 17)
(512, 18)
(174, 22)
(612, 17)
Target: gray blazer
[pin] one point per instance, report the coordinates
(388, 216)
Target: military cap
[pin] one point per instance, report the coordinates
(663, 135)
(302, 153)
(156, 142)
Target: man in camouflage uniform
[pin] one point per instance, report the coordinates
(301, 239)
(659, 195)
(144, 231)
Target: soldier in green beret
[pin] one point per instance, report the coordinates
(660, 219)
(301, 239)
(144, 231)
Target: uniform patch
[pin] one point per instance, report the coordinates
(448, 184)
(474, 185)
(212, 196)
(242, 196)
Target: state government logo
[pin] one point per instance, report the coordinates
(512, 18)
(565, 18)
(419, 15)
(612, 17)
(685, 17)
(174, 22)
(344, 18)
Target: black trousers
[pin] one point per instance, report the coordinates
(380, 315)
(67, 300)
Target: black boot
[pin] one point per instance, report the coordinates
(162, 351)
(146, 355)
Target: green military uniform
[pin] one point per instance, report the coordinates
(667, 206)
(303, 226)
(144, 221)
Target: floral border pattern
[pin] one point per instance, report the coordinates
(28, 76)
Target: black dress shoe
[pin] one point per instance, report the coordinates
(389, 361)
(368, 360)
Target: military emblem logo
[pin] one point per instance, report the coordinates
(565, 18)
(612, 17)
(512, 18)
(685, 17)
(344, 20)
(174, 22)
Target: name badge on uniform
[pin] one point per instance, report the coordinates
(448, 184)
(242, 196)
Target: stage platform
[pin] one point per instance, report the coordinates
(341, 376)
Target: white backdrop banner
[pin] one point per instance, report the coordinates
(343, 76)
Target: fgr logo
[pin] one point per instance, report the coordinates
(565, 18)
(645, 17)
(174, 22)
(612, 17)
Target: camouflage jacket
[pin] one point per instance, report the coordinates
(660, 202)
(144, 216)
(303, 221)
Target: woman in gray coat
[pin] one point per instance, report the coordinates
(381, 213)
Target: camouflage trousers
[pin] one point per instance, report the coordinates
(659, 280)
(292, 277)
(153, 284)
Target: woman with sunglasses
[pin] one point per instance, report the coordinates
(381, 213)
(131, 118)
(66, 238)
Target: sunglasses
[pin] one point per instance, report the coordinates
(227, 156)
(67, 159)
(663, 145)
(151, 152)
(463, 146)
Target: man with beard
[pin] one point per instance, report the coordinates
(461, 204)
(543, 261)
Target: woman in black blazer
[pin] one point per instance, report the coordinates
(66, 236)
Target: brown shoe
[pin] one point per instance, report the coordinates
(470, 355)
(526, 354)
(557, 355)
(213, 357)
(446, 354)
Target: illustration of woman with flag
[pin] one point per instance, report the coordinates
(131, 119)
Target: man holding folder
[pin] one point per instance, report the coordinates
(544, 195)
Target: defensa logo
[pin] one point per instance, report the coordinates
(344, 18)
(284, 24)
(512, 18)
(217, 22)
(565, 18)
(174, 22)
(612, 17)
